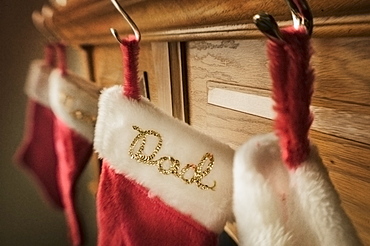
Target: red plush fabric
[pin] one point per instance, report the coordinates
(49, 55)
(130, 54)
(73, 152)
(126, 212)
(37, 152)
(129, 215)
(292, 78)
(62, 58)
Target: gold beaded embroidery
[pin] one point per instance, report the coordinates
(83, 116)
(80, 115)
(137, 153)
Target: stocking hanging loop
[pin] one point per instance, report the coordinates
(132, 24)
(289, 52)
(301, 14)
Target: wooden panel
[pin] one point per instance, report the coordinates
(107, 61)
(166, 61)
(342, 133)
(83, 23)
(178, 71)
(350, 122)
(78, 61)
(163, 79)
(339, 65)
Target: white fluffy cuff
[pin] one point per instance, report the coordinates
(74, 100)
(146, 145)
(37, 82)
(277, 206)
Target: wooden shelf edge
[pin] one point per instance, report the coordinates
(167, 20)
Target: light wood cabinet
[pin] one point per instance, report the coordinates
(196, 53)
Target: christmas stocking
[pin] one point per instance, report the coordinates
(74, 103)
(37, 152)
(277, 206)
(162, 183)
(282, 191)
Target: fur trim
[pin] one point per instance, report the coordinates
(277, 206)
(114, 133)
(37, 82)
(75, 101)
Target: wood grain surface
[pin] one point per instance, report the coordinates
(88, 22)
(349, 123)
(108, 67)
(341, 129)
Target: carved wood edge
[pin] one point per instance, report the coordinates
(166, 20)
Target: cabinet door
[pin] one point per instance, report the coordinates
(226, 76)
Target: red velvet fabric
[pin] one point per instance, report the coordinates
(37, 152)
(73, 152)
(130, 53)
(292, 77)
(49, 55)
(62, 57)
(128, 215)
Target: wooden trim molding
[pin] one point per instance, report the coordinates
(88, 22)
(348, 124)
(178, 70)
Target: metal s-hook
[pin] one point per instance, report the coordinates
(268, 26)
(132, 24)
(301, 14)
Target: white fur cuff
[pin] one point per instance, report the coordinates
(277, 206)
(37, 82)
(75, 101)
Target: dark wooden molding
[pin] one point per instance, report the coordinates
(88, 22)
(179, 80)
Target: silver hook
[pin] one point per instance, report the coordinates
(132, 24)
(268, 26)
(301, 14)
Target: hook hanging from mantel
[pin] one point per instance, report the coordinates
(289, 52)
(130, 56)
(301, 14)
(132, 24)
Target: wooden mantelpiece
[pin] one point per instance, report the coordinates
(88, 21)
(192, 49)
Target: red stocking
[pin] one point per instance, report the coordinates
(282, 192)
(37, 152)
(74, 102)
(162, 183)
